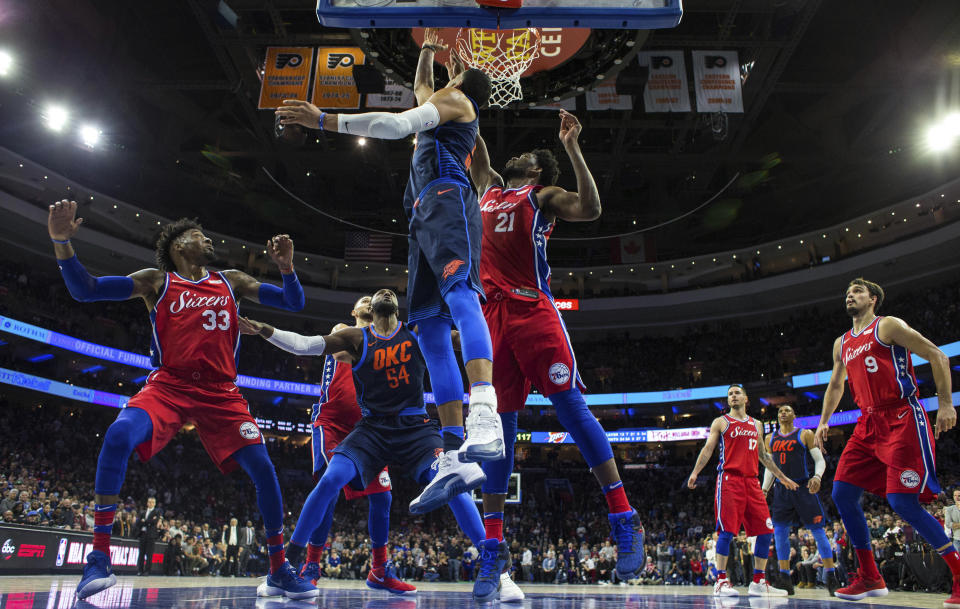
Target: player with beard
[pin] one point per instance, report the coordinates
(394, 429)
(891, 451)
(195, 347)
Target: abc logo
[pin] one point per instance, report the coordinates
(660, 61)
(288, 59)
(343, 60)
(715, 61)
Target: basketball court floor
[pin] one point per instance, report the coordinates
(43, 592)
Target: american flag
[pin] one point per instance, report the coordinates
(362, 246)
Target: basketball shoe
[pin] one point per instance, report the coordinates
(860, 588)
(785, 582)
(452, 477)
(628, 533)
(286, 582)
(762, 588)
(833, 584)
(494, 555)
(510, 592)
(722, 587)
(954, 601)
(385, 578)
(97, 575)
(310, 572)
(483, 428)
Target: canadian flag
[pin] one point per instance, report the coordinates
(632, 248)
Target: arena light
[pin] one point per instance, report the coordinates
(90, 135)
(56, 117)
(944, 134)
(6, 63)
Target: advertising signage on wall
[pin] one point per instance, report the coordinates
(42, 550)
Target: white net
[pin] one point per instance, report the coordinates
(504, 55)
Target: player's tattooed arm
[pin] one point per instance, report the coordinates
(895, 331)
(481, 173)
(831, 398)
(819, 464)
(580, 206)
(716, 430)
(767, 461)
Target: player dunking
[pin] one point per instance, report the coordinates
(394, 430)
(891, 451)
(194, 347)
(443, 287)
(530, 341)
(738, 498)
(333, 417)
(792, 448)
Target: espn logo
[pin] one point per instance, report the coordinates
(288, 59)
(341, 60)
(29, 550)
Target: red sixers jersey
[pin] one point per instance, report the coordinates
(337, 406)
(879, 374)
(195, 330)
(738, 448)
(514, 246)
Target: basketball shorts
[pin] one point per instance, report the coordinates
(408, 444)
(796, 507)
(739, 501)
(530, 346)
(891, 451)
(445, 234)
(325, 439)
(219, 411)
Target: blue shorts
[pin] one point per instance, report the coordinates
(796, 507)
(408, 444)
(445, 234)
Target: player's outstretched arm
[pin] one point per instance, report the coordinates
(819, 464)
(580, 206)
(423, 86)
(62, 224)
(348, 340)
(831, 398)
(767, 461)
(290, 297)
(895, 331)
(716, 430)
(481, 173)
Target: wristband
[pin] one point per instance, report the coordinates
(323, 115)
(59, 241)
(429, 47)
(287, 270)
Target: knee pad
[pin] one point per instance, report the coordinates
(781, 537)
(498, 472)
(723, 543)
(761, 549)
(576, 418)
(437, 349)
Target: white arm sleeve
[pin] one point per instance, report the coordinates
(819, 465)
(767, 480)
(389, 125)
(298, 344)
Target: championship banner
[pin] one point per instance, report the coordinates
(395, 95)
(666, 88)
(604, 97)
(716, 75)
(286, 75)
(333, 84)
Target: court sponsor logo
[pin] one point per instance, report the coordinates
(384, 479)
(559, 373)
(909, 478)
(249, 431)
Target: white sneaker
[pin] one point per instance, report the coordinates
(510, 592)
(762, 588)
(452, 478)
(723, 588)
(483, 428)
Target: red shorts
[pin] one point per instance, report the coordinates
(891, 451)
(530, 346)
(325, 439)
(739, 501)
(220, 413)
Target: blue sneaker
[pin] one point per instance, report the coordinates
(494, 555)
(310, 572)
(451, 477)
(628, 533)
(97, 575)
(286, 582)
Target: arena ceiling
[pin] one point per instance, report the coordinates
(837, 99)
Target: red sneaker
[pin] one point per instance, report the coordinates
(954, 601)
(385, 578)
(860, 588)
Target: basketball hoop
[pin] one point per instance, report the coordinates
(504, 55)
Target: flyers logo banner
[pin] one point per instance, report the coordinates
(333, 83)
(666, 88)
(716, 75)
(286, 75)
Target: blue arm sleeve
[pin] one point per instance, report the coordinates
(86, 288)
(289, 298)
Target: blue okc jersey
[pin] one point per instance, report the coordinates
(389, 375)
(791, 456)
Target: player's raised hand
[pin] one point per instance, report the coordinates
(431, 36)
(820, 437)
(299, 112)
(454, 65)
(62, 222)
(946, 418)
(249, 326)
(813, 485)
(570, 128)
(280, 249)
